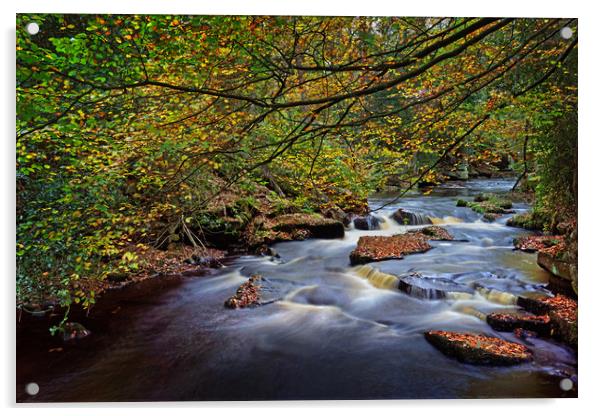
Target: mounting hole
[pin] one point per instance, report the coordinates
(32, 28)
(566, 33)
(566, 384)
(32, 389)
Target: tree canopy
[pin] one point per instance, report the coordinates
(131, 125)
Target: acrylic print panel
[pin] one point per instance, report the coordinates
(268, 208)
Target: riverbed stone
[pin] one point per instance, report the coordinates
(410, 218)
(491, 217)
(554, 265)
(247, 294)
(380, 248)
(527, 220)
(524, 334)
(507, 322)
(423, 287)
(534, 243)
(478, 349)
(369, 222)
(562, 311)
(433, 232)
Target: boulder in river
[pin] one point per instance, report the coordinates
(478, 349)
(433, 232)
(418, 286)
(563, 315)
(369, 222)
(247, 294)
(524, 334)
(510, 321)
(265, 250)
(410, 218)
(554, 265)
(490, 216)
(379, 248)
(527, 220)
(533, 243)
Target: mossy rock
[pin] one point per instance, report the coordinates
(528, 221)
(490, 217)
(482, 197)
(461, 203)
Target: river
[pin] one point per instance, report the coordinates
(328, 330)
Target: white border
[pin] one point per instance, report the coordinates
(590, 164)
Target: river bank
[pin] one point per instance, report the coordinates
(328, 330)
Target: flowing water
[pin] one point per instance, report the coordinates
(329, 330)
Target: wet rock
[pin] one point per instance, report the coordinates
(433, 233)
(563, 315)
(418, 286)
(379, 248)
(369, 222)
(74, 333)
(528, 221)
(410, 218)
(554, 265)
(265, 250)
(490, 204)
(247, 294)
(538, 305)
(510, 321)
(524, 334)
(533, 243)
(491, 217)
(478, 349)
(564, 325)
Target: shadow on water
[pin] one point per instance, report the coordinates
(334, 331)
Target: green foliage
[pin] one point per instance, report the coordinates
(138, 130)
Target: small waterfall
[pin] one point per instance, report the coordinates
(377, 278)
(421, 292)
(496, 296)
(431, 288)
(446, 220)
(369, 222)
(386, 223)
(459, 295)
(469, 310)
(411, 218)
(420, 219)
